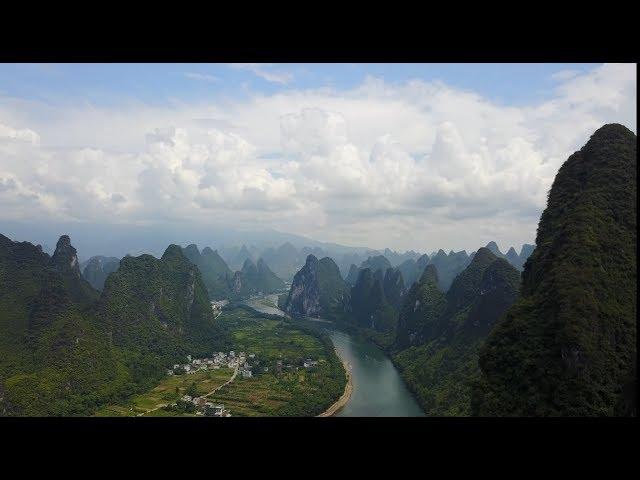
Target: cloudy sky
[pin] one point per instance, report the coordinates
(387, 155)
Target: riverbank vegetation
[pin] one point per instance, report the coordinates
(281, 385)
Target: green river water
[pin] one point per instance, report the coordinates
(378, 389)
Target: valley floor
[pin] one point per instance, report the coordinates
(168, 391)
(281, 384)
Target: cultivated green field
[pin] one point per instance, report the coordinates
(286, 390)
(291, 391)
(168, 391)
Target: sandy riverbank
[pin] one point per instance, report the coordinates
(346, 395)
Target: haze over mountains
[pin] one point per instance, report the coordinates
(473, 336)
(439, 334)
(219, 266)
(548, 331)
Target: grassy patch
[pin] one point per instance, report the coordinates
(168, 391)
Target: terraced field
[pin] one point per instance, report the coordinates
(280, 386)
(168, 391)
(250, 397)
(287, 391)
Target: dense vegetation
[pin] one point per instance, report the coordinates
(421, 310)
(317, 290)
(374, 300)
(568, 347)
(259, 278)
(66, 352)
(222, 283)
(216, 275)
(444, 332)
(158, 311)
(56, 358)
(286, 389)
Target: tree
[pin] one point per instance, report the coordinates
(192, 391)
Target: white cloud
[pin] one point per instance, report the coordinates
(19, 135)
(201, 76)
(414, 165)
(563, 75)
(261, 70)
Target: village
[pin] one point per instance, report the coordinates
(238, 362)
(217, 360)
(200, 405)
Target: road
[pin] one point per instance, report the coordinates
(233, 377)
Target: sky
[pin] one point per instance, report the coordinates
(405, 156)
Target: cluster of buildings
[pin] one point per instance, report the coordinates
(308, 363)
(217, 305)
(217, 360)
(206, 408)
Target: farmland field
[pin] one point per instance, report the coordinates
(280, 385)
(288, 390)
(168, 391)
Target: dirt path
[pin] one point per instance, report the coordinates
(233, 377)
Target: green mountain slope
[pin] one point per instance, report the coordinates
(317, 290)
(64, 352)
(55, 357)
(446, 332)
(159, 308)
(421, 311)
(568, 347)
(216, 275)
(259, 278)
(375, 300)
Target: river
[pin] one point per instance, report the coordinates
(378, 389)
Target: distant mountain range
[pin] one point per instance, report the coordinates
(472, 335)
(97, 269)
(137, 314)
(439, 335)
(514, 258)
(372, 293)
(317, 290)
(548, 331)
(115, 240)
(223, 283)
